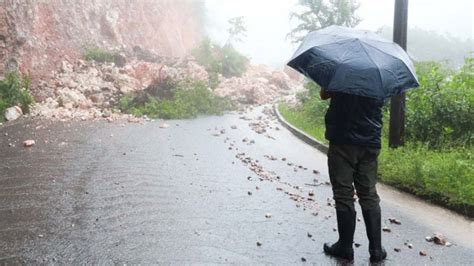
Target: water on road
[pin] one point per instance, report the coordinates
(209, 190)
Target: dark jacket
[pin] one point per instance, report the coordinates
(354, 120)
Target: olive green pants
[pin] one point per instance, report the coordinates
(353, 166)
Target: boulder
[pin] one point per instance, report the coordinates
(13, 113)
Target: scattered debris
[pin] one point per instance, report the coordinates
(394, 221)
(437, 238)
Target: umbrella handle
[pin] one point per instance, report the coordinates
(324, 94)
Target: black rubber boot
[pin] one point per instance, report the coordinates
(346, 221)
(373, 224)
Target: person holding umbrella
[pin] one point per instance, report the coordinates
(357, 70)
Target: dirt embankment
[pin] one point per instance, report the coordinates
(37, 35)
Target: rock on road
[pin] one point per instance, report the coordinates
(208, 190)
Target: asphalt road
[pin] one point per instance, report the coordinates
(199, 191)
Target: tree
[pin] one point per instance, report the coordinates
(237, 29)
(317, 14)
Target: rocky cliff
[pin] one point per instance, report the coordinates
(37, 35)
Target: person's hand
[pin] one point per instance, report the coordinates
(324, 94)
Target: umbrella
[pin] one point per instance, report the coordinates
(356, 62)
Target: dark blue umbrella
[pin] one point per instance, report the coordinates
(356, 62)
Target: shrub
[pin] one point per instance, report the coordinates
(441, 111)
(224, 60)
(102, 56)
(187, 100)
(14, 91)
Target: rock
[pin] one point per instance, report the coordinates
(268, 215)
(68, 98)
(164, 125)
(439, 239)
(13, 113)
(29, 143)
(394, 221)
(386, 229)
(423, 253)
(259, 244)
(97, 98)
(397, 249)
(66, 67)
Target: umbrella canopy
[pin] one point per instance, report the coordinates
(356, 62)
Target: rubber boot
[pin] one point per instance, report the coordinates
(346, 221)
(373, 224)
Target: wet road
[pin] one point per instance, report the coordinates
(200, 191)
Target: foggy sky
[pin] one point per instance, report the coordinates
(268, 22)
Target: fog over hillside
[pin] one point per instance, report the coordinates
(268, 23)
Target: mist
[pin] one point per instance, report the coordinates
(268, 23)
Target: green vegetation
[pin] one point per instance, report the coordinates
(14, 91)
(437, 161)
(171, 100)
(102, 56)
(224, 60)
(309, 115)
(317, 14)
(441, 112)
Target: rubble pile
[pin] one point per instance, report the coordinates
(259, 85)
(88, 90)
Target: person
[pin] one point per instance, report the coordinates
(354, 128)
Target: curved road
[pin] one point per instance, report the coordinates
(209, 190)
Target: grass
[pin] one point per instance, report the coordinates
(14, 91)
(313, 127)
(186, 100)
(444, 175)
